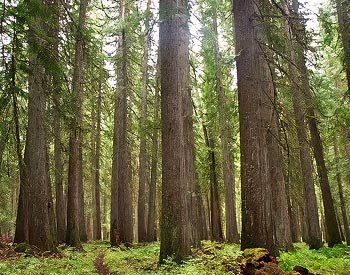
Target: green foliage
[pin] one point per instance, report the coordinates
(325, 261)
(212, 258)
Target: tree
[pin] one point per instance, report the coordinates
(143, 173)
(152, 225)
(61, 210)
(257, 111)
(121, 204)
(302, 93)
(36, 161)
(175, 106)
(22, 226)
(75, 165)
(232, 235)
(341, 192)
(343, 11)
(314, 231)
(97, 198)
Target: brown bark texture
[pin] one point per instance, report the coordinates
(74, 212)
(97, 199)
(39, 196)
(316, 143)
(341, 192)
(61, 211)
(295, 78)
(216, 232)
(256, 110)
(143, 169)
(232, 235)
(22, 226)
(343, 12)
(151, 221)
(176, 124)
(121, 201)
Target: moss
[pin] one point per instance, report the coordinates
(23, 248)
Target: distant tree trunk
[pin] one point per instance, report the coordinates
(75, 141)
(343, 11)
(216, 232)
(22, 226)
(314, 230)
(256, 97)
(341, 192)
(81, 195)
(60, 201)
(58, 164)
(281, 219)
(40, 200)
(232, 235)
(176, 120)
(104, 227)
(143, 171)
(291, 208)
(152, 225)
(316, 142)
(200, 229)
(121, 204)
(97, 198)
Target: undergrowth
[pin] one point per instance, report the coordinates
(325, 261)
(211, 259)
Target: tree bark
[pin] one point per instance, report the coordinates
(256, 110)
(143, 171)
(75, 177)
(343, 11)
(61, 211)
(316, 142)
(216, 232)
(314, 230)
(232, 235)
(176, 120)
(39, 201)
(341, 192)
(97, 198)
(81, 194)
(22, 223)
(152, 225)
(121, 203)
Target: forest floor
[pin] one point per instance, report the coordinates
(213, 258)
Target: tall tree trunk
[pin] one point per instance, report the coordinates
(58, 164)
(152, 225)
(143, 171)
(343, 11)
(175, 103)
(75, 141)
(216, 233)
(121, 204)
(40, 200)
(200, 230)
(232, 235)
(316, 142)
(81, 194)
(104, 228)
(315, 237)
(256, 97)
(341, 192)
(22, 226)
(97, 198)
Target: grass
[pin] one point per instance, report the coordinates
(325, 261)
(212, 259)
